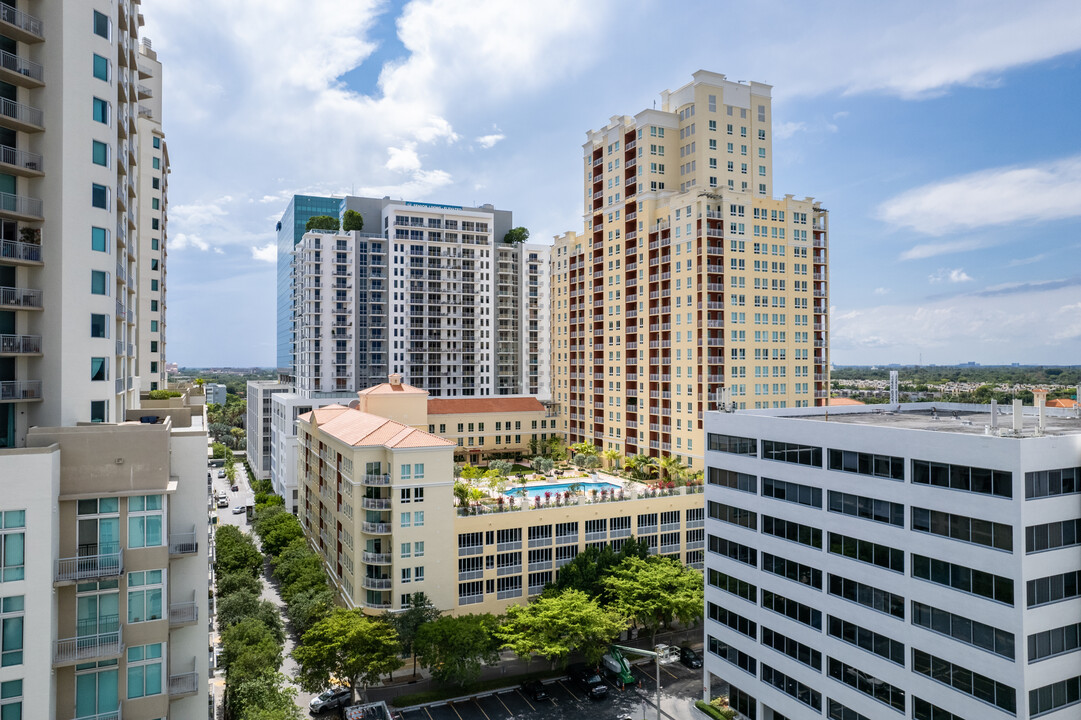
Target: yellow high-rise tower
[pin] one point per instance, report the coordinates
(690, 278)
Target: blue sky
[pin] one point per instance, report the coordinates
(942, 136)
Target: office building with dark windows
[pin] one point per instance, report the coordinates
(870, 561)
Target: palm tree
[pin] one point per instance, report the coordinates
(641, 466)
(672, 467)
(584, 448)
(611, 458)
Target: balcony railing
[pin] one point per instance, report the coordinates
(21, 297)
(14, 390)
(183, 613)
(20, 204)
(111, 715)
(377, 479)
(19, 251)
(22, 66)
(94, 562)
(376, 528)
(100, 638)
(20, 344)
(21, 20)
(377, 558)
(183, 685)
(377, 583)
(21, 113)
(20, 158)
(183, 543)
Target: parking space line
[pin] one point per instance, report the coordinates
(428, 714)
(669, 672)
(476, 701)
(451, 706)
(510, 713)
(568, 690)
(524, 698)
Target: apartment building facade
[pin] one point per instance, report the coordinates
(915, 561)
(485, 429)
(376, 499)
(258, 425)
(689, 277)
(152, 196)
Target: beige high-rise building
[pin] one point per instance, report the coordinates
(690, 278)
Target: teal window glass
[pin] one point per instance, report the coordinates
(153, 366)
(145, 521)
(99, 282)
(144, 671)
(157, 142)
(11, 631)
(156, 162)
(99, 369)
(101, 110)
(155, 224)
(101, 153)
(155, 204)
(12, 556)
(154, 243)
(154, 285)
(99, 196)
(155, 183)
(11, 694)
(99, 239)
(153, 346)
(97, 693)
(154, 324)
(154, 264)
(101, 68)
(153, 306)
(144, 596)
(101, 24)
(98, 410)
(99, 325)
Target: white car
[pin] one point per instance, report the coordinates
(330, 699)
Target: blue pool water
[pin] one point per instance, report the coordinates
(534, 491)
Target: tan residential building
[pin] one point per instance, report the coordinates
(492, 428)
(689, 277)
(376, 499)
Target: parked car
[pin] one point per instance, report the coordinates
(690, 658)
(221, 473)
(588, 680)
(330, 699)
(235, 488)
(223, 502)
(534, 689)
(238, 509)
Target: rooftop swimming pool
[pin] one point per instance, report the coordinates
(537, 491)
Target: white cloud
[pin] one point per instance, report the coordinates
(1017, 262)
(403, 158)
(785, 130)
(926, 250)
(180, 241)
(997, 196)
(956, 275)
(1036, 324)
(882, 291)
(266, 253)
(489, 141)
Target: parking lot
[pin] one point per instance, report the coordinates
(680, 687)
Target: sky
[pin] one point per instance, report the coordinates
(942, 137)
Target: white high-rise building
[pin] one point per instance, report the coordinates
(902, 560)
(103, 574)
(258, 423)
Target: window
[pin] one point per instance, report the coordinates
(1050, 536)
(99, 282)
(99, 239)
(965, 529)
(792, 610)
(418, 549)
(884, 466)
(961, 477)
(793, 687)
(99, 369)
(867, 684)
(145, 669)
(729, 514)
(1058, 641)
(737, 657)
(101, 110)
(963, 629)
(792, 453)
(1054, 696)
(99, 196)
(867, 595)
(735, 480)
(732, 444)
(155, 224)
(964, 680)
(865, 639)
(99, 325)
(792, 492)
(868, 552)
(923, 710)
(154, 243)
(867, 508)
(153, 323)
(406, 519)
(101, 68)
(99, 410)
(796, 650)
(794, 532)
(733, 550)
(1053, 588)
(407, 549)
(11, 632)
(144, 521)
(153, 305)
(418, 518)
(154, 285)
(100, 155)
(964, 579)
(155, 183)
(156, 162)
(1049, 483)
(102, 24)
(792, 570)
(407, 575)
(418, 474)
(144, 596)
(418, 573)
(157, 142)
(155, 204)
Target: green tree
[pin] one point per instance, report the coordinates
(249, 648)
(589, 462)
(500, 466)
(556, 625)
(322, 222)
(230, 473)
(640, 466)
(516, 235)
(417, 613)
(235, 552)
(589, 567)
(265, 696)
(309, 606)
(655, 591)
(298, 568)
(671, 466)
(584, 448)
(454, 648)
(348, 646)
(219, 451)
(557, 449)
(239, 606)
(278, 528)
(611, 458)
(352, 220)
(234, 582)
(543, 465)
(471, 473)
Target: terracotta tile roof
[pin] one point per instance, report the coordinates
(387, 388)
(448, 406)
(1062, 403)
(356, 428)
(846, 401)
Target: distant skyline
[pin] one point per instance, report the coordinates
(941, 136)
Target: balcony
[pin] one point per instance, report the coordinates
(376, 528)
(20, 71)
(113, 715)
(185, 613)
(20, 390)
(376, 480)
(20, 344)
(18, 116)
(21, 162)
(183, 543)
(377, 583)
(20, 299)
(377, 558)
(91, 564)
(98, 639)
(20, 253)
(19, 25)
(375, 503)
(184, 684)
